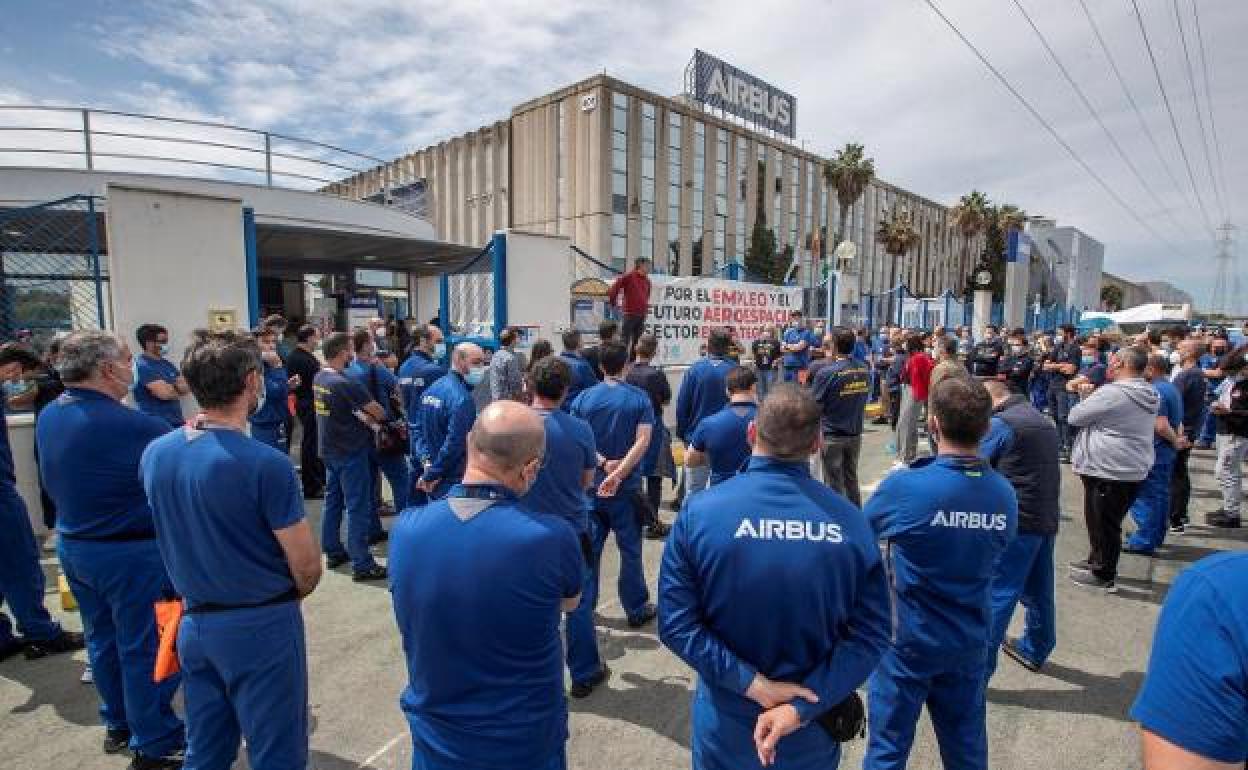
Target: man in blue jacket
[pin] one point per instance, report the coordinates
(1022, 445)
(268, 424)
(796, 344)
(722, 441)
(418, 372)
(583, 376)
(702, 394)
(771, 661)
(447, 412)
(945, 520)
(1151, 509)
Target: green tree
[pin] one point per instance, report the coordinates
(849, 173)
(969, 217)
(897, 234)
(761, 258)
(999, 222)
(1111, 297)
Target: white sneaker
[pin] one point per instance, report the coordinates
(898, 465)
(87, 677)
(49, 544)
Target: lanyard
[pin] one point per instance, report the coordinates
(493, 492)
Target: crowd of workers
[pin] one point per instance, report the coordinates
(510, 473)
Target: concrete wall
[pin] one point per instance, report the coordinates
(539, 280)
(172, 256)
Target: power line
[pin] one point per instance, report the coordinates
(1213, 123)
(1096, 115)
(1056, 136)
(1139, 114)
(1174, 124)
(1200, 119)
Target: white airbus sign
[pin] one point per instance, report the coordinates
(719, 84)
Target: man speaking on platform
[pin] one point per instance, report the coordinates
(632, 292)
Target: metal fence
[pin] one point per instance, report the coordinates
(474, 295)
(107, 140)
(52, 276)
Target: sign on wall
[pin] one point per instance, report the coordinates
(719, 84)
(684, 310)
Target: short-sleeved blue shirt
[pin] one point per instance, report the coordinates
(89, 450)
(614, 410)
(148, 370)
(793, 337)
(723, 437)
(1190, 383)
(340, 432)
(217, 497)
(1196, 692)
(276, 390)
(477, 585)
(1171, 407)
(570, 451)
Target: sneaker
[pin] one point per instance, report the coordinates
(648, 613)
(1222, 519)
(1082, 566)
(1202, 445)
(167, 762)
(1089, 580)
(1178, 529)
(583, 689)
(116, 740)
(49, 545)
(88, 676)
(66, 641)
(1136, 549)
(12, 647)
(375, 572)
(657, 531)
(335, 560)
(1064, 459)
(1010, 648)
(898, 465)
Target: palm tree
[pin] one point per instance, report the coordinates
(849, 173)
(897, 234)
(1010, 218)
(969, 217)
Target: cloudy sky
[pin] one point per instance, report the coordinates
(387, 77)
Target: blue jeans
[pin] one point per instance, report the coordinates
(1024, 572)
(245, 675)
(21, 578)
(766, 380)
(697, 478)
(1151, 509)
(398, 476)
(790, 373)
(896, 694)
(1208, 427)
(116, 584)
(349, 490)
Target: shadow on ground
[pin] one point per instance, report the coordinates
(1105, 696)
(660, 704)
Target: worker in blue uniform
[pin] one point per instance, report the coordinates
(583, 376)
(370, 373)
(230, 521)
(158, 386)
(418, 372)
(1210, 364)
(1193, 706)
(268, 424)
(773, 590)
(944, 521)
(447, 411)
(702, 393)
(796, 343)
(622, 420)
(1022, 445)
(346, 416)
(89, 446)
(1151, 509)
(480, 583)
(22, 581)
(721, 441)
(560, 489)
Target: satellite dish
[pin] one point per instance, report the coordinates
(846, 251)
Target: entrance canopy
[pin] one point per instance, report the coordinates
(288, 249)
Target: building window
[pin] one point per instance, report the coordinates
(561, 169)
(697, 218)
(721, 194)
(777, 197)
(648, 138)
(675, 185)
(808, 225)
(742, 192)
(795, 176)
(619, 180)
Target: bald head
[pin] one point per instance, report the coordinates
(506, 437)
(467, 355)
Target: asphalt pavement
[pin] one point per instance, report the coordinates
(1070, 715)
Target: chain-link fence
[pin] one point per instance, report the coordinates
(470, 296)
(52, 276)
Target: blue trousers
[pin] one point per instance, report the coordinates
(954, 695)
(398, 476)
(723, 739)
(245, 675)
(1024, 573)
(617, 514)
(422, 760)
(1151, 509)
(790, 373)
(116, 584)
(766, 381)
(349, 490)
(21, 578)
(273, 434)
(1208, 427)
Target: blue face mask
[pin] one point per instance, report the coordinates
(475, 376)
(164, 349)
(1089, 360)
(439, 350)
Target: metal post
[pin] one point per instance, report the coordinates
(253, 276)
(86, 138)
(498, 253)
(268, 159)
(93, 243)
(444, 299)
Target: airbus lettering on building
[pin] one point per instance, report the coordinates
(721, 85)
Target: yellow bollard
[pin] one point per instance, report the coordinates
(68, 602)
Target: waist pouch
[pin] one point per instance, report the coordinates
(846, 721)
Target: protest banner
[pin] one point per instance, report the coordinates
(684, 310)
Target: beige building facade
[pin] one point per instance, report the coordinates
(627, 173)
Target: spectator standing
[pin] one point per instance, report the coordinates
(702, 393)
(1218, 348)
(720, 441)
(948, 365)
(631, 292)
(1022, 446)
(1231, 410)
(1017, 365)
(766, 352)
(965, 345)
(607, 331)
(840, 388)
(654, 382)
(368, 372)
(916, 378)
(268, 424)
(303, 363)
(796, 344)
(1112, 454)
(1151, 509)
(242, 557)
(1060, 364)
(1189, 381)
(418, 372)
(986, 355)
(583, 376)
(447, 412)
(158, 386)
(893, 377)
(506, 375)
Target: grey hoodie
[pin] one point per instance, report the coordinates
(1116, 425)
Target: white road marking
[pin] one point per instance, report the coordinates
(381, 752)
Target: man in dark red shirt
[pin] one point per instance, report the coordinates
(635, 288)
(915, 379)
